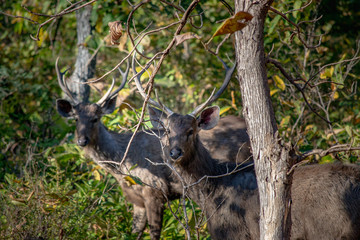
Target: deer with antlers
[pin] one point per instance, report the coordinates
(325, 198)
(107, 149)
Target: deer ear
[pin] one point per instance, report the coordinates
(156, 117)
(109, 106)
(64, 108)
(209, 118)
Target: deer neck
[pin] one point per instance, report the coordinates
(200, 164)
(106, 146)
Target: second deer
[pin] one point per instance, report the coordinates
(325, 198)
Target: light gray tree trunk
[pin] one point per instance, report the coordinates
(83, 71)
(269, 155)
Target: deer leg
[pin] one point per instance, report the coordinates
(154, 210)
(139, 220)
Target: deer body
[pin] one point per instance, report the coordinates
(325, 198)
(107, 149)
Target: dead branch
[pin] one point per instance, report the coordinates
(297, 31)
(15, 16)
(70, 9)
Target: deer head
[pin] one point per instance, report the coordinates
(182, 130)
(87, 115)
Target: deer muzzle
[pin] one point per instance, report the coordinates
(176, 153)
(83, 141)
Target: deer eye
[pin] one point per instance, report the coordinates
(190, 132)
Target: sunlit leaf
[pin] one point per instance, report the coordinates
(285, 121)
(42, 36)
(234, 23)
(274, 91)
(146, 74)
(130, 181)
(133, 167)
(327, 73)
(326, 159)
(336, 95)
(97, 175)
(279, 82)
(224, 109)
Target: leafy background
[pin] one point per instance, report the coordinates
(48, 190)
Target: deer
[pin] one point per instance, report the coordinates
(106, 148)
(325, 198)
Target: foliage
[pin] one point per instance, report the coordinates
(332, 90)
(49, 190)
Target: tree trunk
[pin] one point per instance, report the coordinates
(83, 70)
(269, 155)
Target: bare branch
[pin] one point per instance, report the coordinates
(67, 10)
(321, 153)
(298, 31)
(301, 90)
(15, 16)
(299, 9)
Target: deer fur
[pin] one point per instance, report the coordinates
(325, 198)
(104, 146)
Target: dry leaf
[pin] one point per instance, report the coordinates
(234, 23)
(115, 32)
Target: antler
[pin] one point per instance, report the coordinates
(142, 91)
(62, 82)
(108, 94)
(212, 98)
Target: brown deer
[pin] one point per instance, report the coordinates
(107, 149)
(325, 198)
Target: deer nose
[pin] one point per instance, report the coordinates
(82, 142)
(175, 153)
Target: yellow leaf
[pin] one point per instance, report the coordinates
(42, 36)
(96, 175)
(279, 82)
(308, 127)
(233, 23)
(224, 110)
(272, 92)
(129, 180)
(336, 95)
(285, 121)
(327, 73)
(146, 74)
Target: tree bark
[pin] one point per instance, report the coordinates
(269, 155)
(83, 71)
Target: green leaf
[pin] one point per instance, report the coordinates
(273, 24)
